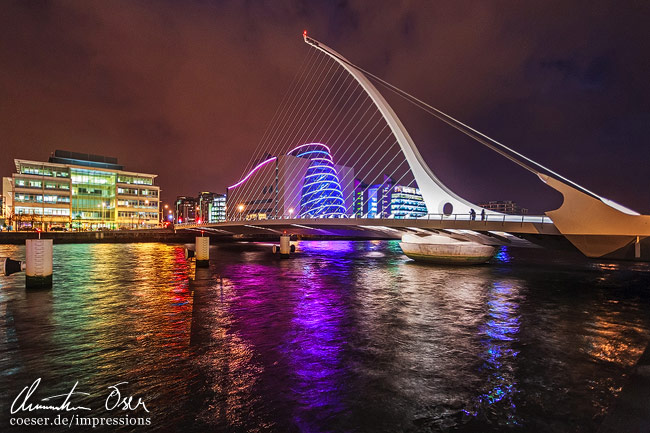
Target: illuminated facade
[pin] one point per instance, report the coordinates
(506, 206)
(80, 191)
(322, 196)
(305, 182)
(208, 207)
(360, 198)
(217, 208)
(377, 200)
(2, 212)
(203, 204)
(186, 209)
(387, 200)
(407, 202)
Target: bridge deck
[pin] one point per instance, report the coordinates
(515, 224)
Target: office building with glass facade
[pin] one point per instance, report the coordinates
(406, 202)
(80, 191)
(387, 200)
(212, 207)
(504, 206)
(217, 208)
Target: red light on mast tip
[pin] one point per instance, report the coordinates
(304, 32)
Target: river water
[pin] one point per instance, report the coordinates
(343, 337)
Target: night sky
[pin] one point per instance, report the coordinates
(185, 89)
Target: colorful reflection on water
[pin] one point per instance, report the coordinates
(499, 337)
(502, 256)
(345, 336)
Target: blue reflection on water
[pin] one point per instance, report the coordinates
(503, 256)
(499, 358)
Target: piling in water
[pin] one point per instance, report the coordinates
(202, 251)
(38, 258)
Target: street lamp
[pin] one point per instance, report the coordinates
(290, 212)
(240, 208)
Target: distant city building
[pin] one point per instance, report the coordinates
(2, 212)
(186, 209)
(387, 200)
(80, 191)
(378, 199)
(217, 208)
(360, 198)
(7, 198)
(203, 201)
(384, 194)
(212, 207)
(506, 206)
(305, 182)
(371, 205)
(208, 207)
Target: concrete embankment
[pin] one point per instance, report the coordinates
(631, 411)
(117, 236)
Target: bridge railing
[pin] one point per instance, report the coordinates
(502, 218)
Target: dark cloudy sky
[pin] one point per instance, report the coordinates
(186, 89)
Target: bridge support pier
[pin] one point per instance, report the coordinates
(202, 251)
(38, 259)
(637, 248)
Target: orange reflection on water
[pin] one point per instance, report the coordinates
(222, 355)
(611, 342)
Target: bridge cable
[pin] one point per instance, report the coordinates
(311, 136)
(278, 116)
(457, 124)
(304, 99)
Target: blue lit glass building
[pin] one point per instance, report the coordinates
(407, 202)
(322, 195)
(305, 182)
(387, 200)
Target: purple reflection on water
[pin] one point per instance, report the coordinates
(314, 347)
(295, 320)
(327, 246)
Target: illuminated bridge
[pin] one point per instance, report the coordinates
(337, 161)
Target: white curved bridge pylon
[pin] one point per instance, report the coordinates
(595, 225)
(437, 197)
